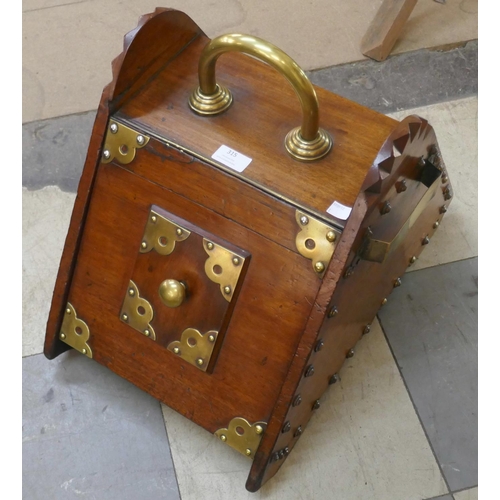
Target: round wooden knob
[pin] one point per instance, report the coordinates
(172, 293)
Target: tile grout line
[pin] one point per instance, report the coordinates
(414, 406)
(170, 449)
(465, 489)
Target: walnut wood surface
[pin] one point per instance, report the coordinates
(358, 297)
(278, 289)
(281, 310)
(264, 110)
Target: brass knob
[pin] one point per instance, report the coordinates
(172, 293)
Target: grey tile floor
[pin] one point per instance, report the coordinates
(89, 434)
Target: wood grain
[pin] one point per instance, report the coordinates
(280, 311)
(386, 28)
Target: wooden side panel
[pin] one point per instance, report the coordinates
(53, 346)
(137, 63)
(361, 286)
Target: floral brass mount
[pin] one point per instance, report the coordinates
(75, 332)
(121, 143)
(243, 436)
(194, 347)
(223, 267)
(137, 312)
(162, 234)
(315, 241)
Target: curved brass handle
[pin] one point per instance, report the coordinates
(308, 142)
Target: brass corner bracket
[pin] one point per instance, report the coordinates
(121, 143)
(243, 436)
(315, 241)
(161, 234)
(223, 267)
(75, 332)
(137, 312)
(194, 347)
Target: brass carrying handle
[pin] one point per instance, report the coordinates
(307, 142)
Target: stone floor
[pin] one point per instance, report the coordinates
(402, 423)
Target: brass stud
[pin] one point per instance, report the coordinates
(147, 332)
(236, 261)
(144, 244)
(286, 427)
(178, 231)
(62, 336)
(397, 282)
(210, 245)
(106, 154)
(334, 379)
(286, 450)
(426, 240)
(304, 220)
(309, 371)
(199, 362)
(227, 290)
(176, 350)
(153, 218)
(259, 429)
(386, 208)
(131, 292)
(447, 193)
(248, 452)
(84, 351)
(297, 400)
(367, 329)
(68, 311)
(350, 353)
(413, 259)
(124, 317)
(211, 338)
(319, 345)
(223, 437)
(316, 404)
(330, 236)
(384, 302)
(333, 312)
(401, 186)
(443, 209)
(435, 225)
(421, 162)
(114, 128)
(140, 140)
(444, 178)
(298, 431)
(319, 267)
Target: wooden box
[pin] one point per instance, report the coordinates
(227, 258)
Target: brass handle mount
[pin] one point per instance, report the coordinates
(307, 142)
(172, 292)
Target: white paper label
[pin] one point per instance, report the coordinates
(338, 210)
(232, 158)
